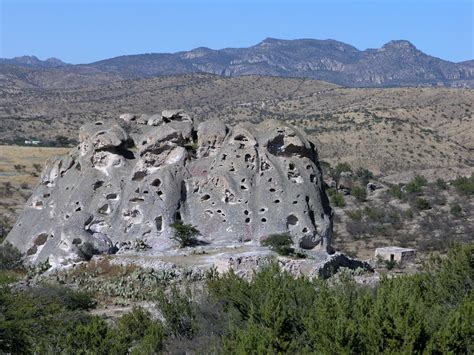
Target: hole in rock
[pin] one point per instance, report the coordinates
(247, 157)
(97, 185)
(291, 220)
(272, 190)
(243, 187)
(77, 241)
(41, 239)
(159, 193)
(98, 123)
(209, 213)
(295, 202)
(104, 209)
(156, 183)
(247, 220)
(78, 167)
(159, 223)
(32, 250)
(246, 212)
(111, 197)
(205, 197)
(178, 216)
(137, 199)
(263, 210)
(264, 220)
(312, 177)
(139, 176)
(277, 201)
(46, 195)
(241, 138)
(78, 209)
(305, 230)
(145, 192)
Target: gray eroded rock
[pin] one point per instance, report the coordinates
(128, 180)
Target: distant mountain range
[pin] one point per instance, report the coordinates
(397, 63)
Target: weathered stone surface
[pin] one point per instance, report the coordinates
(128, 181)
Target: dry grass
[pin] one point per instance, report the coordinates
(27, 157)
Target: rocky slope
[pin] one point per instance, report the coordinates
(397, 63)
(129, 180)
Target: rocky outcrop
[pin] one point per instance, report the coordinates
(130, 179)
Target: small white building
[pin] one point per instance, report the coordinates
(29, 142)
(395, 254)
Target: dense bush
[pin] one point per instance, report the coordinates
(415, 185)
(359, 193)
(456, 210)
(396, 191)
(422, 204)
(276, 313)
(10, 257)
(337, 200)
(281, 243)
(364, 176)
(464, 185)
(429, 312)
(185, 234)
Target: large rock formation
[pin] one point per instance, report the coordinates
(130, 179)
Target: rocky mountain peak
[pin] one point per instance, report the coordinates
(400, 45)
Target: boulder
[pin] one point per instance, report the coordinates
(236, 185)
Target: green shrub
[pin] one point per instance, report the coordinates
(364, 176)
(464, 185)
(456, 210)
(337, 200)
(390, 264)
(396, 191)
(273, 312)
(359, 193)
(422, 204)
(281, 243)
(179, 312)
(10, 257)
(415, 185)
(441, 184)
(355, 215)
(185, 234)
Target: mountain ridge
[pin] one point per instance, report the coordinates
(397, 63)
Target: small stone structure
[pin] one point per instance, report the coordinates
(395, 254)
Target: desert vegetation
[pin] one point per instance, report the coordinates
(273, 312)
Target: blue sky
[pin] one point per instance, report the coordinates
(82, 31)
